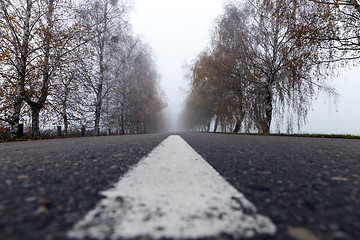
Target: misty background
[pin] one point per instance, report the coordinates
(178, 31)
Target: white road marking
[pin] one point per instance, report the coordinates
(173, 193)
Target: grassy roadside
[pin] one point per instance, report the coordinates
(29, 138)
(23, 139)
(307, 135)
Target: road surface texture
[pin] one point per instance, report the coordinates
(303, 184)
(309, 188)
(47, 186)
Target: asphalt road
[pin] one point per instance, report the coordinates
(305, 185)
(308, 187)
(47, 186)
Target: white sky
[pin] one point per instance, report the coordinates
(179, 30)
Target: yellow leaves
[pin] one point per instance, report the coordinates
(271, 51)
(4, 53)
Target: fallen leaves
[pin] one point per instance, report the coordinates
(44, 207)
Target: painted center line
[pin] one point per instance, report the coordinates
(172, 193)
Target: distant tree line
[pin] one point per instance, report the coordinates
(74, 64)
(268, 60)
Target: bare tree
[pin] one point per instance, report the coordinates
(60, 63)
(36, 37)
(53, 43)
(18, 23)
(337, 27)
(101, 18)
(135, 97)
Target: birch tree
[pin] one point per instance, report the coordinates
(18, 23)
(271, 71)
(36, 35)
(101, 19)
(336, 29)
(60, 63)
(54, 43)
(135, 97)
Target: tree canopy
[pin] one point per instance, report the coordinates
(75, 64)
(267, 60)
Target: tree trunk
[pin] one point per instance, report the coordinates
(99, 92)
(216, 124)
(145, 128)
(15, 119)
(98, 111)
(122, 128)
(66, 123)
(237, 126)
(21, 71)
(35, 121)
(36, 106)
(268, 110)
(122, 120)
(64, 104)
(208, 126)
(239, 121)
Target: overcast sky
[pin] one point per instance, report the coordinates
(178, 31)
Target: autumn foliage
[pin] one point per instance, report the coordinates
(74, 64)
(268, 60)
